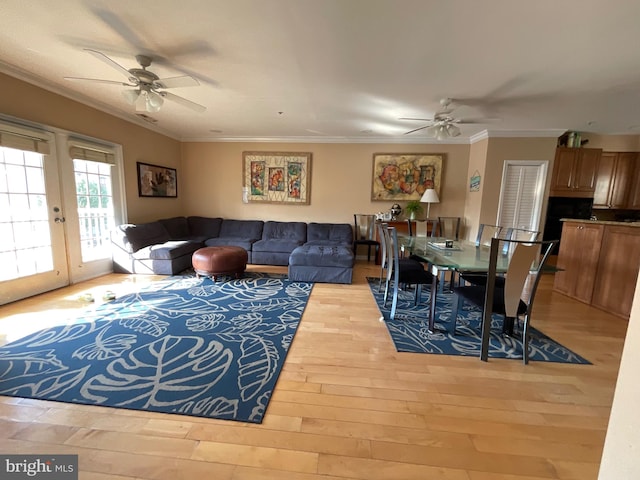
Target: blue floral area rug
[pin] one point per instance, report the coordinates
(183, 345)
(410, 334)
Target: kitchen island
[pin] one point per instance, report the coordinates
(599, 263)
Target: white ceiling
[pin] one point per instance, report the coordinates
(343, 70)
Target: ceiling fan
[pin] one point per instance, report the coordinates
(443, 125)
(148, 92)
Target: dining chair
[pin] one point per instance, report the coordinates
(401, 271)
(513, 299)
(365, 233)
(522, 234)
(384, 260)
(429, 227)
(486, 233)
(449, 227)
(423, 228)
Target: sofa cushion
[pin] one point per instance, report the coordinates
(204, 227)
(145, 234)
(291, 231)
(172, 249)
(322, 256)
(177, 227)
(246, 229)
(276, 245)
(232, 241)
(329, 234)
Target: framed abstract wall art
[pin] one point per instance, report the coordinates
(405, 176)
(277, 177)
(157, 181)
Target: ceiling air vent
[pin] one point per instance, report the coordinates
(147, 118)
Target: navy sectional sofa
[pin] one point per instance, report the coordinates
(319, 252)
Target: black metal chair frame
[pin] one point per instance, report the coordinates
(402, 271)
(526, 260)
(370, 240)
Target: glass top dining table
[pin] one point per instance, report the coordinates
(462, 255)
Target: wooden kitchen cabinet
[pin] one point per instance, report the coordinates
(617, 270)
(615, 177)
(578, 259)
(633, 202)
(574, 172)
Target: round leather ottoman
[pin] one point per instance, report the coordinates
(216, 261)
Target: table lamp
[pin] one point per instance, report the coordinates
(430, 196)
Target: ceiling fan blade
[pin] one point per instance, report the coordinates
(420, 119)
(103, 58)
(480, 121)
(184, 102)
(416, 129)
(173, 82)
(98, 80)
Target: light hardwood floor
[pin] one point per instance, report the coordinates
(348, 406)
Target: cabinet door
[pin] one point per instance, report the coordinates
(563, 167)
(633, 201)
(587, 168)
(622, 180)
(606, 169)
(617, 270)
(578, 259)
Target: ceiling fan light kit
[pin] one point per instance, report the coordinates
(148, 94)
(145, 100)
(442, 125)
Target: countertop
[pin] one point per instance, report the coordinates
(601, 222)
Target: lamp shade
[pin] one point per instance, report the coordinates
(430, 196)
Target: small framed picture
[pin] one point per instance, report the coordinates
(157, 181)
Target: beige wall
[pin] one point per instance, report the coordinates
(473, 200)
(613, 143)
(487, 157)
(27, 102)
(340, 180)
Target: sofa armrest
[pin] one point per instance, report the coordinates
(120, 240)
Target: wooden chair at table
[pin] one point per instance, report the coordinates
(401, 271)
(513, 298)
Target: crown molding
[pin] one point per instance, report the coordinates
(485, 134)
(308, 139)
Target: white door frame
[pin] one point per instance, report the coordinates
(61, 193)
(58, 276)
(79, 270)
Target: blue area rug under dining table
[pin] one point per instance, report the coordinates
(183, 345)
(409, 330)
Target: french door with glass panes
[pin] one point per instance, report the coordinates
(43, 247)
(33, 255)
